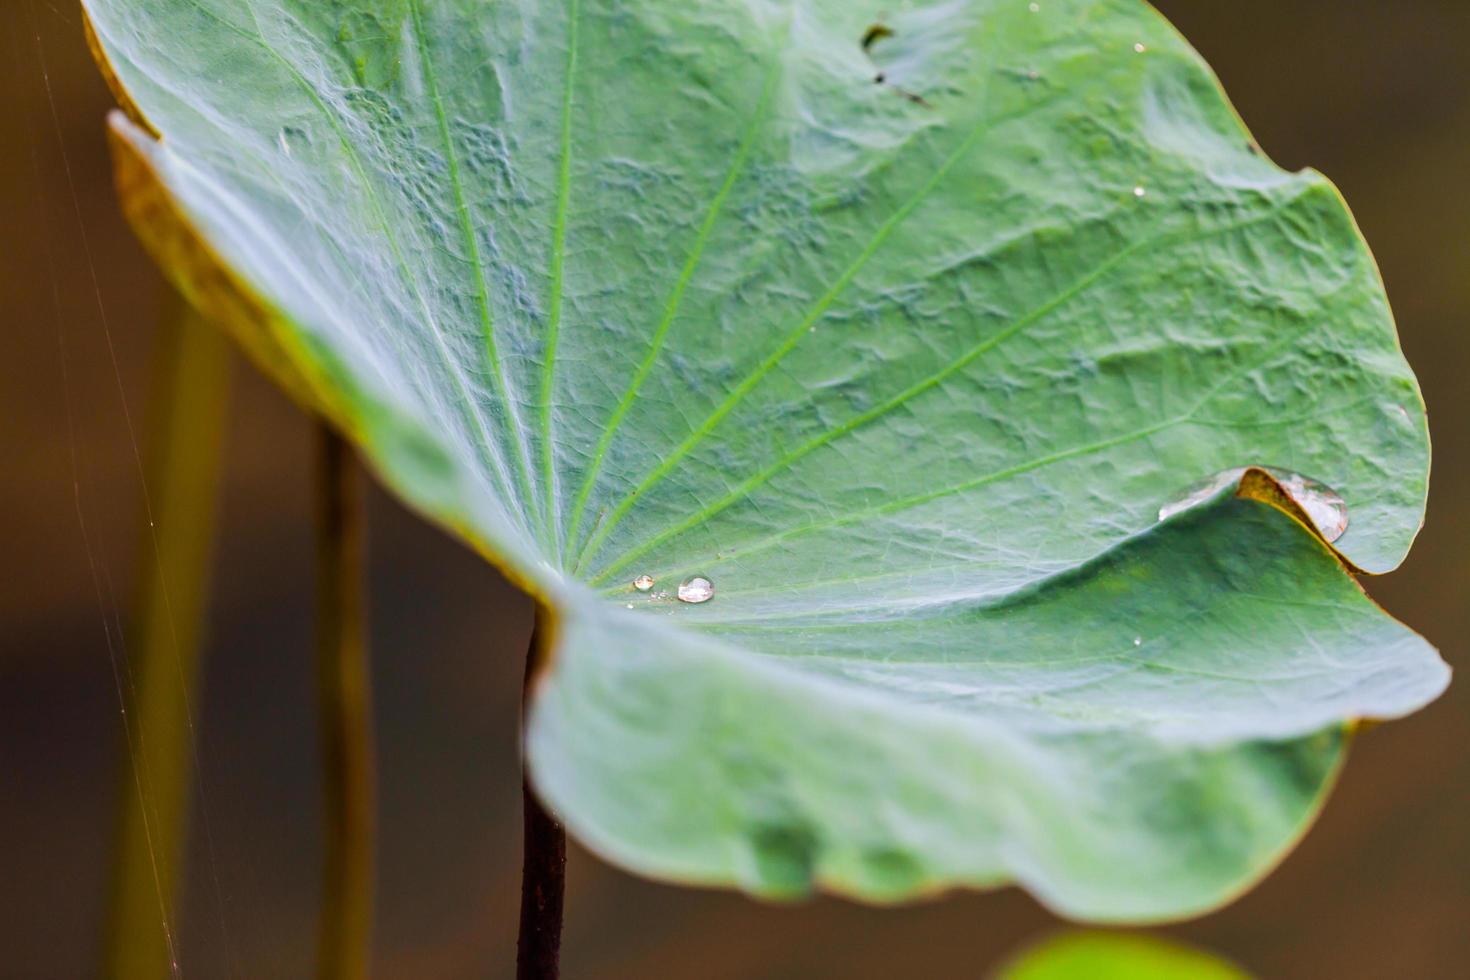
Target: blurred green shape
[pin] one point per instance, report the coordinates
(1117, 956)
(167, 640)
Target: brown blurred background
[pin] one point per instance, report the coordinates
(1372, 93)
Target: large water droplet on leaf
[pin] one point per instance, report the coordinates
(696, 589)
(1197, 493)
(1321, 503)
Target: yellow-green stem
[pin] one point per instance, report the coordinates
(345, 695)
(187, 420)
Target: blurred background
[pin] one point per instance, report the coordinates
(1374, 94)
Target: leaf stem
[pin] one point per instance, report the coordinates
(543, 855)
(187, 423)
(345, 699)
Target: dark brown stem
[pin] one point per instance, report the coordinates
(543, 859)
(345, 695)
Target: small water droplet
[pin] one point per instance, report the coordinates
(630, 605)
(1138, 641)
(1322, 504)
(1035, 8)
(643, 583)
(696, 589)
(661, 595)
(1139, 191)
(281, 141)
(1140, 47)
(1033, 74)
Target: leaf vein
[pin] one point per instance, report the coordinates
(474, 417)
(558, 261)
(472, 246)
(671, 308)
(1075, 289)
(791, 338)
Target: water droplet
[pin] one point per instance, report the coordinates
(1197, 493)
(281, 141)
(630, 605)
(1140, 47)
(1322, 504)
(1035, 8)
(1138, 641)
(1139, 191)
(696, 589)
(643, 583)
(1033, 74)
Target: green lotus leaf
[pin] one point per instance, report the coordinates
(899, 329)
